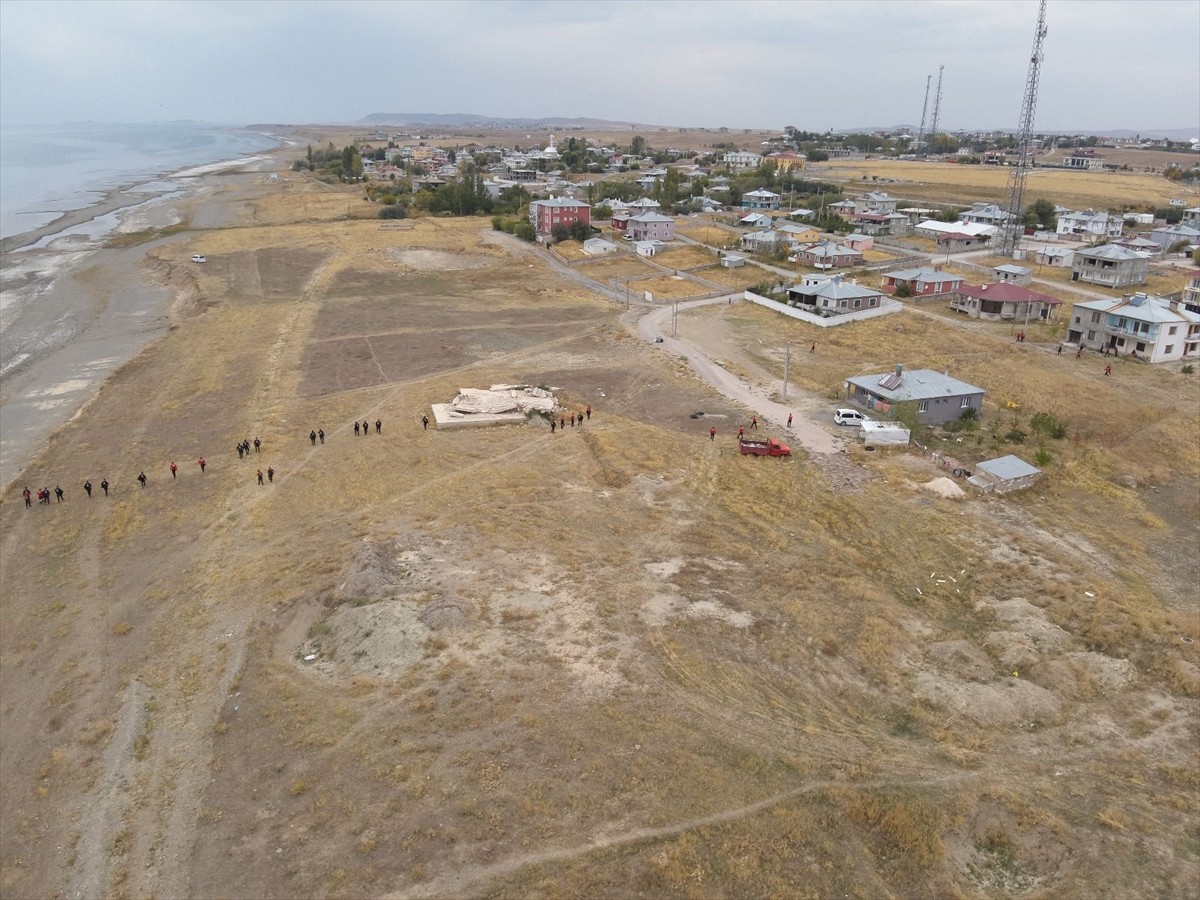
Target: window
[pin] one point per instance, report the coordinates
(1171, 330)
(1091, 336)
(923, 406)
(1095, 318)
(1141, 348)
(1169, 348)
(857, 304)
(965, 403)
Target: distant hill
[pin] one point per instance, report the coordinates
(459, 120)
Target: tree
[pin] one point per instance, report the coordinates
(602, 212)
(310, 158)
(451, 156)
(817, 156)
(394, 211)
(637, 147)
(580, 231)
(1041, 213)
(559, 233)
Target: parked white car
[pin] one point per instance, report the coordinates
(199, 259)
(849, 417)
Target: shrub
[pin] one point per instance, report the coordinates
(395, 211)
(525, 231)
(1048, 424)
(904, 291)
(1043, 456)
(1188, 369)
(497, 223)
(1016, 436)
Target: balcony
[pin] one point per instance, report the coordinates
(1149, 336)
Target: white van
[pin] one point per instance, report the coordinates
(199, 258)
(849, 417)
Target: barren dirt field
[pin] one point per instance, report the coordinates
(938, 181)
(618, 660)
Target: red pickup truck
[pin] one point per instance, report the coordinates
(764, 447)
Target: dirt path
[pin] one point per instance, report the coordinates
(459, 883)
(807, 433)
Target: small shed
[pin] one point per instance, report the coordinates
(1008, 473)
(859, 241)
(732, 260)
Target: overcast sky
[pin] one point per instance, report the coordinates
(817, 65)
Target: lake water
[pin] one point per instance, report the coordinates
(48, 170)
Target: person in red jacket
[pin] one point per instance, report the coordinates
(712, 433)
(174, 469)
(202, 464)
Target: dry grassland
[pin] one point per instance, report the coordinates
(952, 183)
(616, 660)
(685, 256)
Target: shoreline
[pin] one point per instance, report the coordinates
(101, 308)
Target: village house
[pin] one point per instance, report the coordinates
(875, 203)
(833, 296)
(643, 204)
(620, 222)
(922, 282)
(760, 241)
(1151, 328)
(1004, 475)
(1191, 216)
(741, 160)
(937, 396)
(1141, 245)
(985, 214)
(954, 236)
(1110, 265)
(1004, 302)
(843, 208)
(800, 234)
(1058, 257)
(1010, 274)
(801, 213)
(755, 220)
(1191, 291)
(546, 215)
(648, 248)
(880, 223)
(599, 247)
(651, 226)
(760, 199)
(1090, 225)
(856, 241)
(828, 255)
(1170, 235)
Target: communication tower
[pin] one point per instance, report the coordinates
(1016, 178)
(924, 110)
(937, 108)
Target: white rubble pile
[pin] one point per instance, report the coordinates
(500, 399)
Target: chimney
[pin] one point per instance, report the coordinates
(899, 368)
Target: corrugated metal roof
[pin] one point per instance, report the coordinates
(919, 384)
(1008, 468)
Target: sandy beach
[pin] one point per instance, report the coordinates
(104, 303)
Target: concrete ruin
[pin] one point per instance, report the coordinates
(501, 404)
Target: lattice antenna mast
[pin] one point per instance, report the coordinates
(924, 110)
(937, 108)
(1016, 178)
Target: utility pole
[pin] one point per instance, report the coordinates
(1016, 178)
(937, 108)
(787, 362)
(674, 317)
(924, 110)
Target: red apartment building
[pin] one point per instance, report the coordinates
(546, 215)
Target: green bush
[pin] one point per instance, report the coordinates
(1016, 436)
(395, 211)
(1188, 369)
(1048, 424)
(1043, 456)
(525, 231)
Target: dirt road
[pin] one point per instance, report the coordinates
(655, 324)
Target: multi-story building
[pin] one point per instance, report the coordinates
(1110, 265)
(760, 199)
(651, 226)
(546, 215)
(741, 160)
(1142, 325)
(1090, 224)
